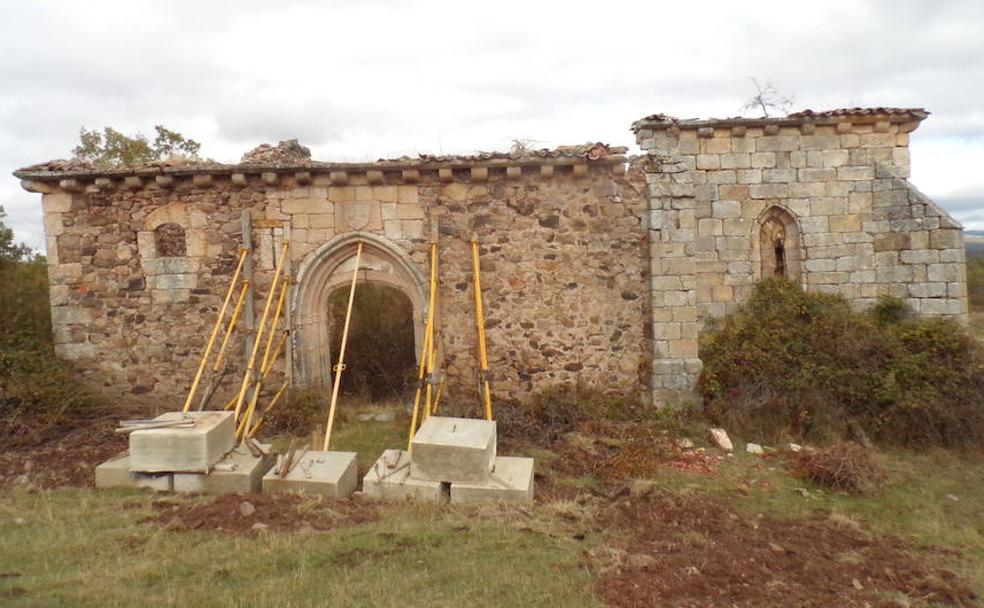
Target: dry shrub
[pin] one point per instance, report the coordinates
(847, 467)
(797, 365)
(556, 411)
(297, 414)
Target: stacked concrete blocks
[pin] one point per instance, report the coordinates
(116, 473)
(192, 449)
(455, 456)
(239, 471)
(330, 474)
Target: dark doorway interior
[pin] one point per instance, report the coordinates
(380, 364)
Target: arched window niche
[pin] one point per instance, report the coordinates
(169, 241)
(778, 245)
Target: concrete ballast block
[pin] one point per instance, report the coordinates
(238, 471)
(331, 474)
(511, 481)
(183, 449)
(389, 479)
(116, 473)
(453, 450)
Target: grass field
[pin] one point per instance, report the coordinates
(81, 547)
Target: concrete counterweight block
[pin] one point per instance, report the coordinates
(389, 479)
(115, 473)
(455, 450)
(239, 471)
(511, 481)
(183, 449)
(331, 474)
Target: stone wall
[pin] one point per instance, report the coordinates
(833, 186)
(592, 274)
(563, 260)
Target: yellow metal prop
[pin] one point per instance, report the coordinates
(341, 351)
(251, 366)
(215, 331)
(428, 339)
(485, 388)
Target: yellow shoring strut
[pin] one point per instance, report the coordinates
(267, 362)
(341, 351)
(428, 338)
(215, 331)
(485, 388)
(236, 312)
(259, 421)
(251, 367)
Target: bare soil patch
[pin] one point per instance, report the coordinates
(695, 551)
(64, 454)
(250, 514)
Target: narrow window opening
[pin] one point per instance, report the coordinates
(780, 252)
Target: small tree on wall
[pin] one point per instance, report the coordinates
(111, 147)
(768, 99)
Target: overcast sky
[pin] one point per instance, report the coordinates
(376, 78)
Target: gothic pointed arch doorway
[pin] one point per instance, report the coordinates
(325, 271)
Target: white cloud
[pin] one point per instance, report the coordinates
(363, 80)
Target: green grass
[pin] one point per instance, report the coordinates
(916, 505)
(84, 548)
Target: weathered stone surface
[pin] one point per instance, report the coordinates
(330, 474)
(456, 450)
(183, 449)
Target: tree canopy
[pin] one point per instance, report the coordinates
(11, 251)
(111, 147)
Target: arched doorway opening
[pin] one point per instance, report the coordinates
(380, 356)
(778, 245)
(327, 272)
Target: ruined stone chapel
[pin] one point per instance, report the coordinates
(597, 268)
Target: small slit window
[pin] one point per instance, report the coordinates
(169, 241)
(779, 245)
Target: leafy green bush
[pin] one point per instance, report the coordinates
(805, 365)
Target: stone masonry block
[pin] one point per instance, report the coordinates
(183, 449)
(456, 450)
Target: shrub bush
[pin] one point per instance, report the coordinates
(791, 364)
(847, 467)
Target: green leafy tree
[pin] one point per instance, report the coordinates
(11, 251)
(110, 147)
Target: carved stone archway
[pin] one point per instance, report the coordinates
(329, 268)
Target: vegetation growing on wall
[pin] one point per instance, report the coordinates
(805, 365)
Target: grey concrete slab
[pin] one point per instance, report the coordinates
(331, 474)
(186, 449)
(511, 481)
(115, 473)
(389, 479)
(238, 471)
(453, 450)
